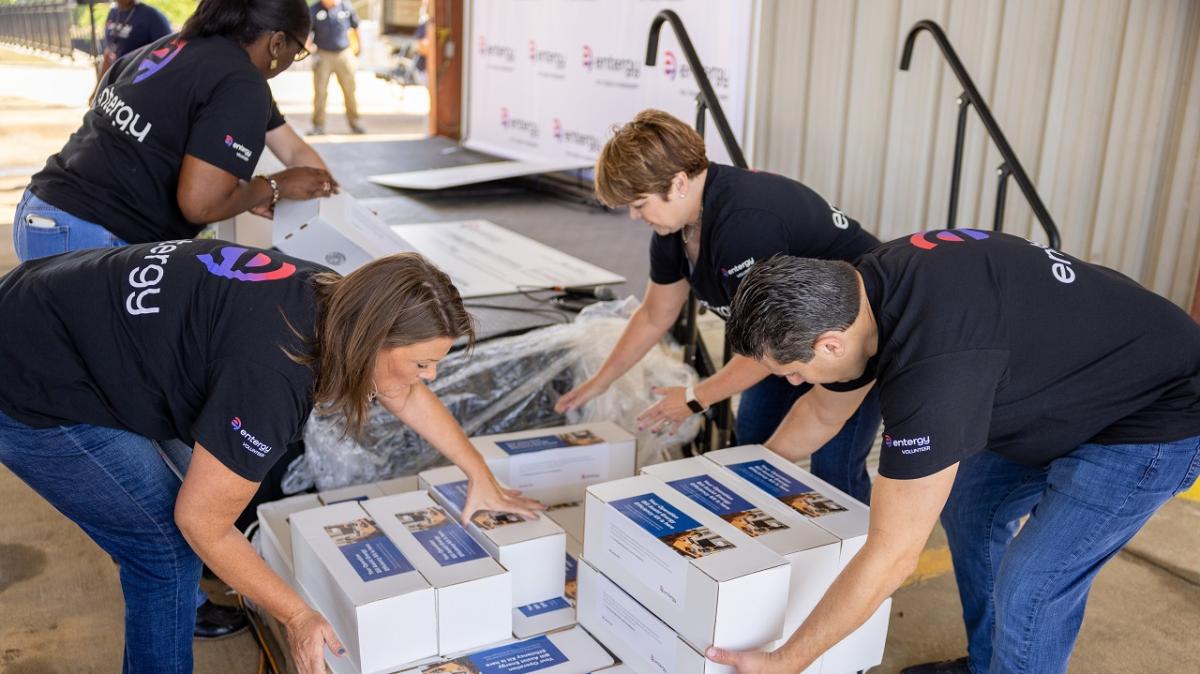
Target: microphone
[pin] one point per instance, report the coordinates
(602, 293)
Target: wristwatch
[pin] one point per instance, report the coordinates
(274, 185)
(690, 398)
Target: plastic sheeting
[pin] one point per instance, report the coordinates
(506, 384)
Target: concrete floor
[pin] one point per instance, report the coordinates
(60, 604)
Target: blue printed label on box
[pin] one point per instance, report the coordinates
(769, 478)
(530, 655)
(716, 498)
(797, 495)
(712, 495)
(539, 607)
(572, 568)
(665, 522)
(544, 442)
(455, 492)
(441, 536)
(654, 515)
(368, 550)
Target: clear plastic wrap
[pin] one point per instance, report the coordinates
(506, 384)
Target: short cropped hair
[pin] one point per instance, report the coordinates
(784, 304)
(644, 155)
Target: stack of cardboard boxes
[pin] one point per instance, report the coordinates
(404, 584)
(732, 549)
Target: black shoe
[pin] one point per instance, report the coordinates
(214, 621)
(958, 666)
(357, 129)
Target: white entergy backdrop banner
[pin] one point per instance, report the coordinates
(548, 79)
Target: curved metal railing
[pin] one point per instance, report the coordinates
(969, 98)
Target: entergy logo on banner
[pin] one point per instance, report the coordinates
(555, 59)
(718, 76)
(568, 136)
(497, 52)
(525, 127)
(629, 68)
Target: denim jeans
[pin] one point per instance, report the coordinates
(40, 230)
(1023, 593)
(115, 485)
(842, 461)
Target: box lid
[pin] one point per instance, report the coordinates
(365, 563)
(432, 539)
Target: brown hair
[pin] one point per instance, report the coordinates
(393, 301)
(644, 155)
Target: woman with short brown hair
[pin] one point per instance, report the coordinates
(214, 354)
(711, 224)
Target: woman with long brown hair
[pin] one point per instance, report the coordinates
(212, 354)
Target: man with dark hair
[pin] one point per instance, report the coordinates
(1014, 381)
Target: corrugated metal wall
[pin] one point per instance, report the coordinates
(1100, 99)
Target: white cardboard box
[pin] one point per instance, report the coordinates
(381, 608)
(558, 612)
(556, 465)
(358, 492)
(826, 506)
(336, 231)
(472, 589)
(532, 550)
(568, 652)
(398, 485)
(699, 574)
(811, 551)
(643, 643)
(829, 508)
(863, 649)
(276, 532)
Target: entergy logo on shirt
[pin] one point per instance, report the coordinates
(740, 269)
(249, 442)
(914, 445)
(244, 153)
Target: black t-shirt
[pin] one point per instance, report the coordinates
(989, 341)
(180, 339)
(747, 217)
(125, 31)
(173, 97)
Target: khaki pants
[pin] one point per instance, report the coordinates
(341, 63)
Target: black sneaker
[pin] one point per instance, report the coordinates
(357, 129)
(214, 621)
(958, 666)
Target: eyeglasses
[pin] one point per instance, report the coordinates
(303, 52)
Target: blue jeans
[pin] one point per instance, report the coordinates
(118, 489)
(842, 461)
(34, 237)
(40, 230)
(1023, 594)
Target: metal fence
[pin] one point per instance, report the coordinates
(45, 25)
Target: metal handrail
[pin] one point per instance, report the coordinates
(707, 98)
(971, 98)
(687, 329)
